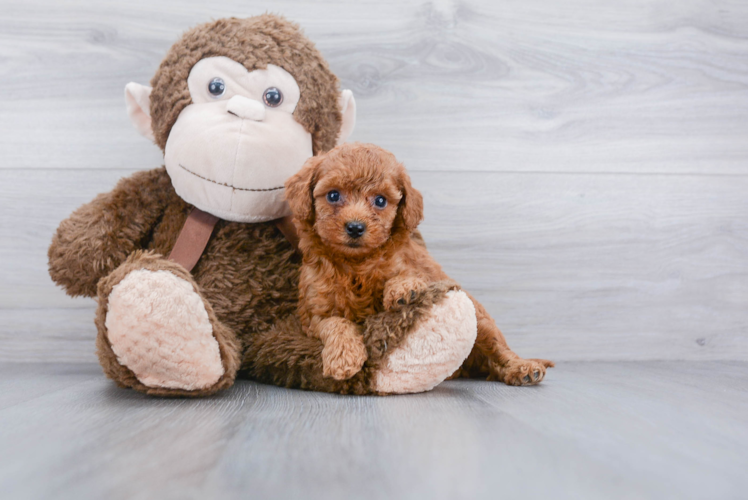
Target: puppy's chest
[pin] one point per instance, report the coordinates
(357, 296)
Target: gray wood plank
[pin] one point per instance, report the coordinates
(24, 382)
(572, 266)
(49, 335)
(639, 419)
(593, 430)
(493, 86)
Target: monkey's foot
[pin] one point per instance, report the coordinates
(521, 371)
(436, 348)
(160, 329)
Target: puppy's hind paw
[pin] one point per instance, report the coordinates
(521, 371)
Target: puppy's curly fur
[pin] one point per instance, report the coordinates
(357, 212)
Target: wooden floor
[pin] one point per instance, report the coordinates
(636, 430)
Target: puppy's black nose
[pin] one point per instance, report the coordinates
(355, 229)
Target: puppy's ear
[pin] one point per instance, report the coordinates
(410, 209)
(299, 189)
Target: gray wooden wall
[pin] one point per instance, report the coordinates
(584, 163)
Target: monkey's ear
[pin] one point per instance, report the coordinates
(410, 210)
(138, 99)
(348, 109)
(300, 189)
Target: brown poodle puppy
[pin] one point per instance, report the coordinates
(356, 212)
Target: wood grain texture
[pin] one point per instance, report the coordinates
(584, 164)
(572, 266)
(594, 430)
(648, 86)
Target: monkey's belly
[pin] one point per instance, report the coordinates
(250, 274)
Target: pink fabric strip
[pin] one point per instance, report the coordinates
(193, 238)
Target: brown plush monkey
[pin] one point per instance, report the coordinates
(237, 106)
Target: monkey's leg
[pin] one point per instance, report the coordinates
(158, 334)
(492, 358)
(411, 348)
(420, 345)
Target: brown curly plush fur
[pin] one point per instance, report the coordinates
(282, 43)
(344, 279)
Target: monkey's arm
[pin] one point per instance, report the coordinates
(100, 235)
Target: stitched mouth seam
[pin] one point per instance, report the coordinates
(227, 185)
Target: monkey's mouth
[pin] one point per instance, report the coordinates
(228, 185)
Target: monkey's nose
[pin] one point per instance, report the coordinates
(355, 229)
(247, 108)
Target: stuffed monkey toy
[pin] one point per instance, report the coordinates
(194, 265)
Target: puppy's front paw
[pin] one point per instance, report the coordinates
(521, 371)
(344, 352)
(343, 356)
(402, 291)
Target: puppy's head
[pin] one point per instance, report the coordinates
(355, 198)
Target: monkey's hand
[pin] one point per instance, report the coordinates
(102, 234)
(402, 290)
(344, 352)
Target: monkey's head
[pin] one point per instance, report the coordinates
(237, 106)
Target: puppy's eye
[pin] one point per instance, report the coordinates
(217, 87)
(380, 202)
(272, 97)
(333, 197)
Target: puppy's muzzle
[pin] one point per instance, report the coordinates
(355, 229)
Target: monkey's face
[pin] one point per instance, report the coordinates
(230, 151)
(237, 106)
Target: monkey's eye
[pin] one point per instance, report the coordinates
(217, 87)
(272, 97)
(333, 196)
(380, 201)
